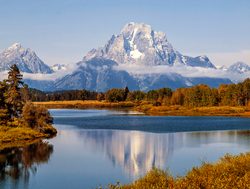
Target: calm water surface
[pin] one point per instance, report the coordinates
(97, 147)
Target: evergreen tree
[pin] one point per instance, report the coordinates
(136, 96)
(3, 89)
(25, 93)
(13, 95)
(126, 91)
(4, 116)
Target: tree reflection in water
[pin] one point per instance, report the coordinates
(19, 163)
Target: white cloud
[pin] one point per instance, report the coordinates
(38, 76)
(186, 71)
(226, 58)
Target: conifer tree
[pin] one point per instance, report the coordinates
(13, 95)
(126, 91)
(3, 108)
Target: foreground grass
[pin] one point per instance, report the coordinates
(229, 172)
(22, 136)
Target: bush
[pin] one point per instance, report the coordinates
(135, 96)
(37, 117)
(229, 172)
(154, 179)
(116, 95)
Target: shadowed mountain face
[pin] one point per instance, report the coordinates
(97, 74)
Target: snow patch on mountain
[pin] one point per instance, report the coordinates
(239, 67)
(58, 67)
(139, 44)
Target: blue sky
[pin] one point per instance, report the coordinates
(62, 31)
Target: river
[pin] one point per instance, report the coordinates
(97, 147)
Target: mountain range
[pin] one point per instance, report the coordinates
(138, 57)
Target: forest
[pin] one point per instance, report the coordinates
(196, 96)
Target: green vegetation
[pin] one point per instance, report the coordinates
(20, 120)
(229, 172)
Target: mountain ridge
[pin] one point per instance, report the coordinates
(139, 44)
(26, 60)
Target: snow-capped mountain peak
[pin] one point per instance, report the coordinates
(58, 67)
(25, 59)
(15, 46)
(239, 67)
(139, 44)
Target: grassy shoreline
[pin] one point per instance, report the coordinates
(22, 136)
(229, 172)
(150, 109)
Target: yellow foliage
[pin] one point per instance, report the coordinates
(229, 172)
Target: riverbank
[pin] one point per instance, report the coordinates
(22, 136)
(229, 172)
(150, 109)
(197, 111)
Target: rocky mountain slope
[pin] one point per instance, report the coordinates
(26, 60)
(140, 44)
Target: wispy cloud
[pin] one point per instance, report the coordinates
(56, 75)
(186, 71)
(226, 58)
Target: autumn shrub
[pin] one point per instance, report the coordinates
(37, 117)
(154, 179)
(115, 95)
(229, 172)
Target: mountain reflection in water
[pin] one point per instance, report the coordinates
(137, 152)
(18, 163)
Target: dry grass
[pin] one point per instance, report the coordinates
(79, 104)
(148, 108)
(229, 172)
(18, 136)
(198, 111)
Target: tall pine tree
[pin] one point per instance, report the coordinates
(13, 95)
(4, 116)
